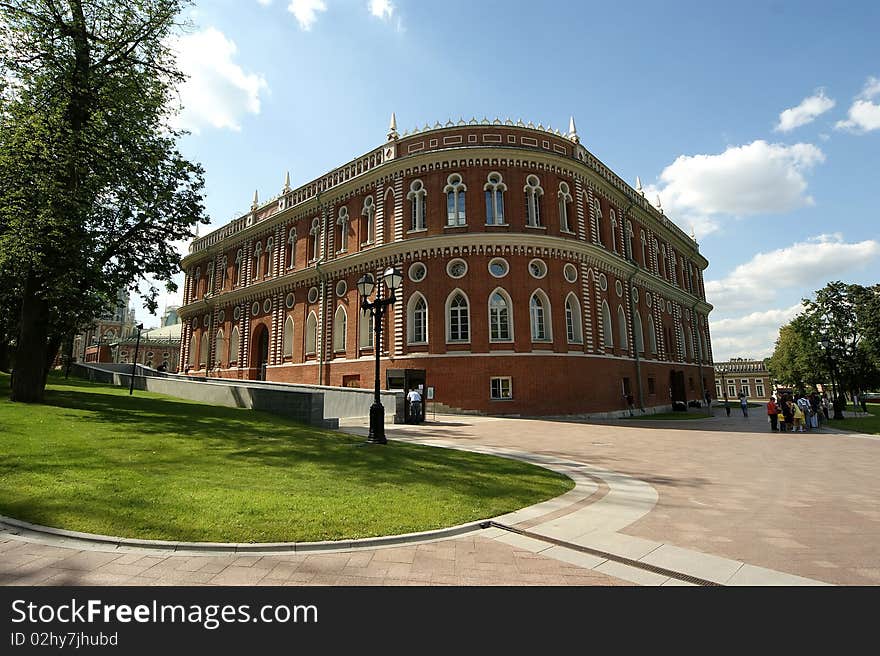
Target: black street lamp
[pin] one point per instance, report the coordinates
(723, 369)
(134, 362)
(377, 309)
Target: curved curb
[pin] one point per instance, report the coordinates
(245, 547)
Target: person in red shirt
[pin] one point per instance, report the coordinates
(773, 412)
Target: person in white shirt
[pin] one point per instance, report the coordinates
(415, 405)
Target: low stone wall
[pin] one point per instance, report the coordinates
(312, 404)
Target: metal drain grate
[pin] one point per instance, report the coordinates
(679, 576)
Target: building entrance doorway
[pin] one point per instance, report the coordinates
(261, 354)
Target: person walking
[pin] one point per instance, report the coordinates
(788, 415)
(708, 399)
(773, 413)
(824, 402)
(726, 405)
(798, 418)
(744, 404)
(415, 406)
(804, 404)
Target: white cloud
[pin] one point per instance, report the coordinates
(864, 115)
(810, 108)
(265, 3)
(756, 178)
(749, 336)
(217, 92)
(382, 9)
(802, 264)
(306, 11)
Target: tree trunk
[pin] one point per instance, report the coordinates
(5, 359)
(29, 376)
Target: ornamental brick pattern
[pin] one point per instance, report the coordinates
(549, 374)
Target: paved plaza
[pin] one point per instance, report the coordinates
(720, 500)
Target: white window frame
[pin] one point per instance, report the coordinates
(456, 191)
(412, 323)
(533, 193)
(340, 329)
(288, 336)
(565, 199)
(342, 221)
(545, 316)
(492, 319)
(417, 196)
(501, 380)
(369, 211)
(448, 316)
(311, 335)
(574, 330)
(496, 190)
(607, 326)
(622, 336)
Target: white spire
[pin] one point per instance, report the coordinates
(287, 181)
(639, 186)
(392, 128)
(572, 131)
(693, 233)
(659, 206)
(256, 202)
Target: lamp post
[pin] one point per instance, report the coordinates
(377, 309)
(723, 369)
(134, 362)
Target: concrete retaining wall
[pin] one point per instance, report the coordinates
(311, 404)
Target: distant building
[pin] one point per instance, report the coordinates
(157, 345)
(743, 375)
(117, 322)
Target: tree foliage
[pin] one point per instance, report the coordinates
(836, 336)
(93, 190)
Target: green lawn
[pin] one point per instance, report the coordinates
(151, 466)
(869, 425)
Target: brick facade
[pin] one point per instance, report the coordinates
(617, 251)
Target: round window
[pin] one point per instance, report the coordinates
(255, 308)
(456, 268)
(669, 307)
(236, 313)
(206, 320)
(417, 272)
(570, 272)
(648, 299)
(498, 267)
(289, 300)
(618, 287)
(221, 316)
(537, 268)
(603, 282)
(341, 288)
(635, 295)
(267, 305)
(195, 323)
(313, 295)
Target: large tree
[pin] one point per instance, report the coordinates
(93, 190)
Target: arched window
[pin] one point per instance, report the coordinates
(689, 343)
(233, 346)
(212, 268)
(638, 334)
(455, 195)
(621, 327)
(238, 276)
(270, 247)
(597, 209)
(369, 211)
(312, 334)
(287, 347)
(193, 354)
(224, 272)
(197, 277)
(366, 329)
(652, 335)
(573, 328)
(203, 352)
(219, 344)
(416, 197)
(342, 222)
(315, 233)
(417, 319)
(644, 243)
(258, 253)
(539, 312)
(663, 260)
(340, 329)
(457, 318)
(654, 254)
(389, 216)
(500, 319)
(613, 222)
(494, 189)
(564, 197)
(628, 233)
(291, 249)
(534, 193)
(607, 328)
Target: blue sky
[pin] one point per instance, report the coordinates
(687, 95)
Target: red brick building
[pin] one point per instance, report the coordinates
(535, 280)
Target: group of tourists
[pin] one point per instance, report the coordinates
(797, 414)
